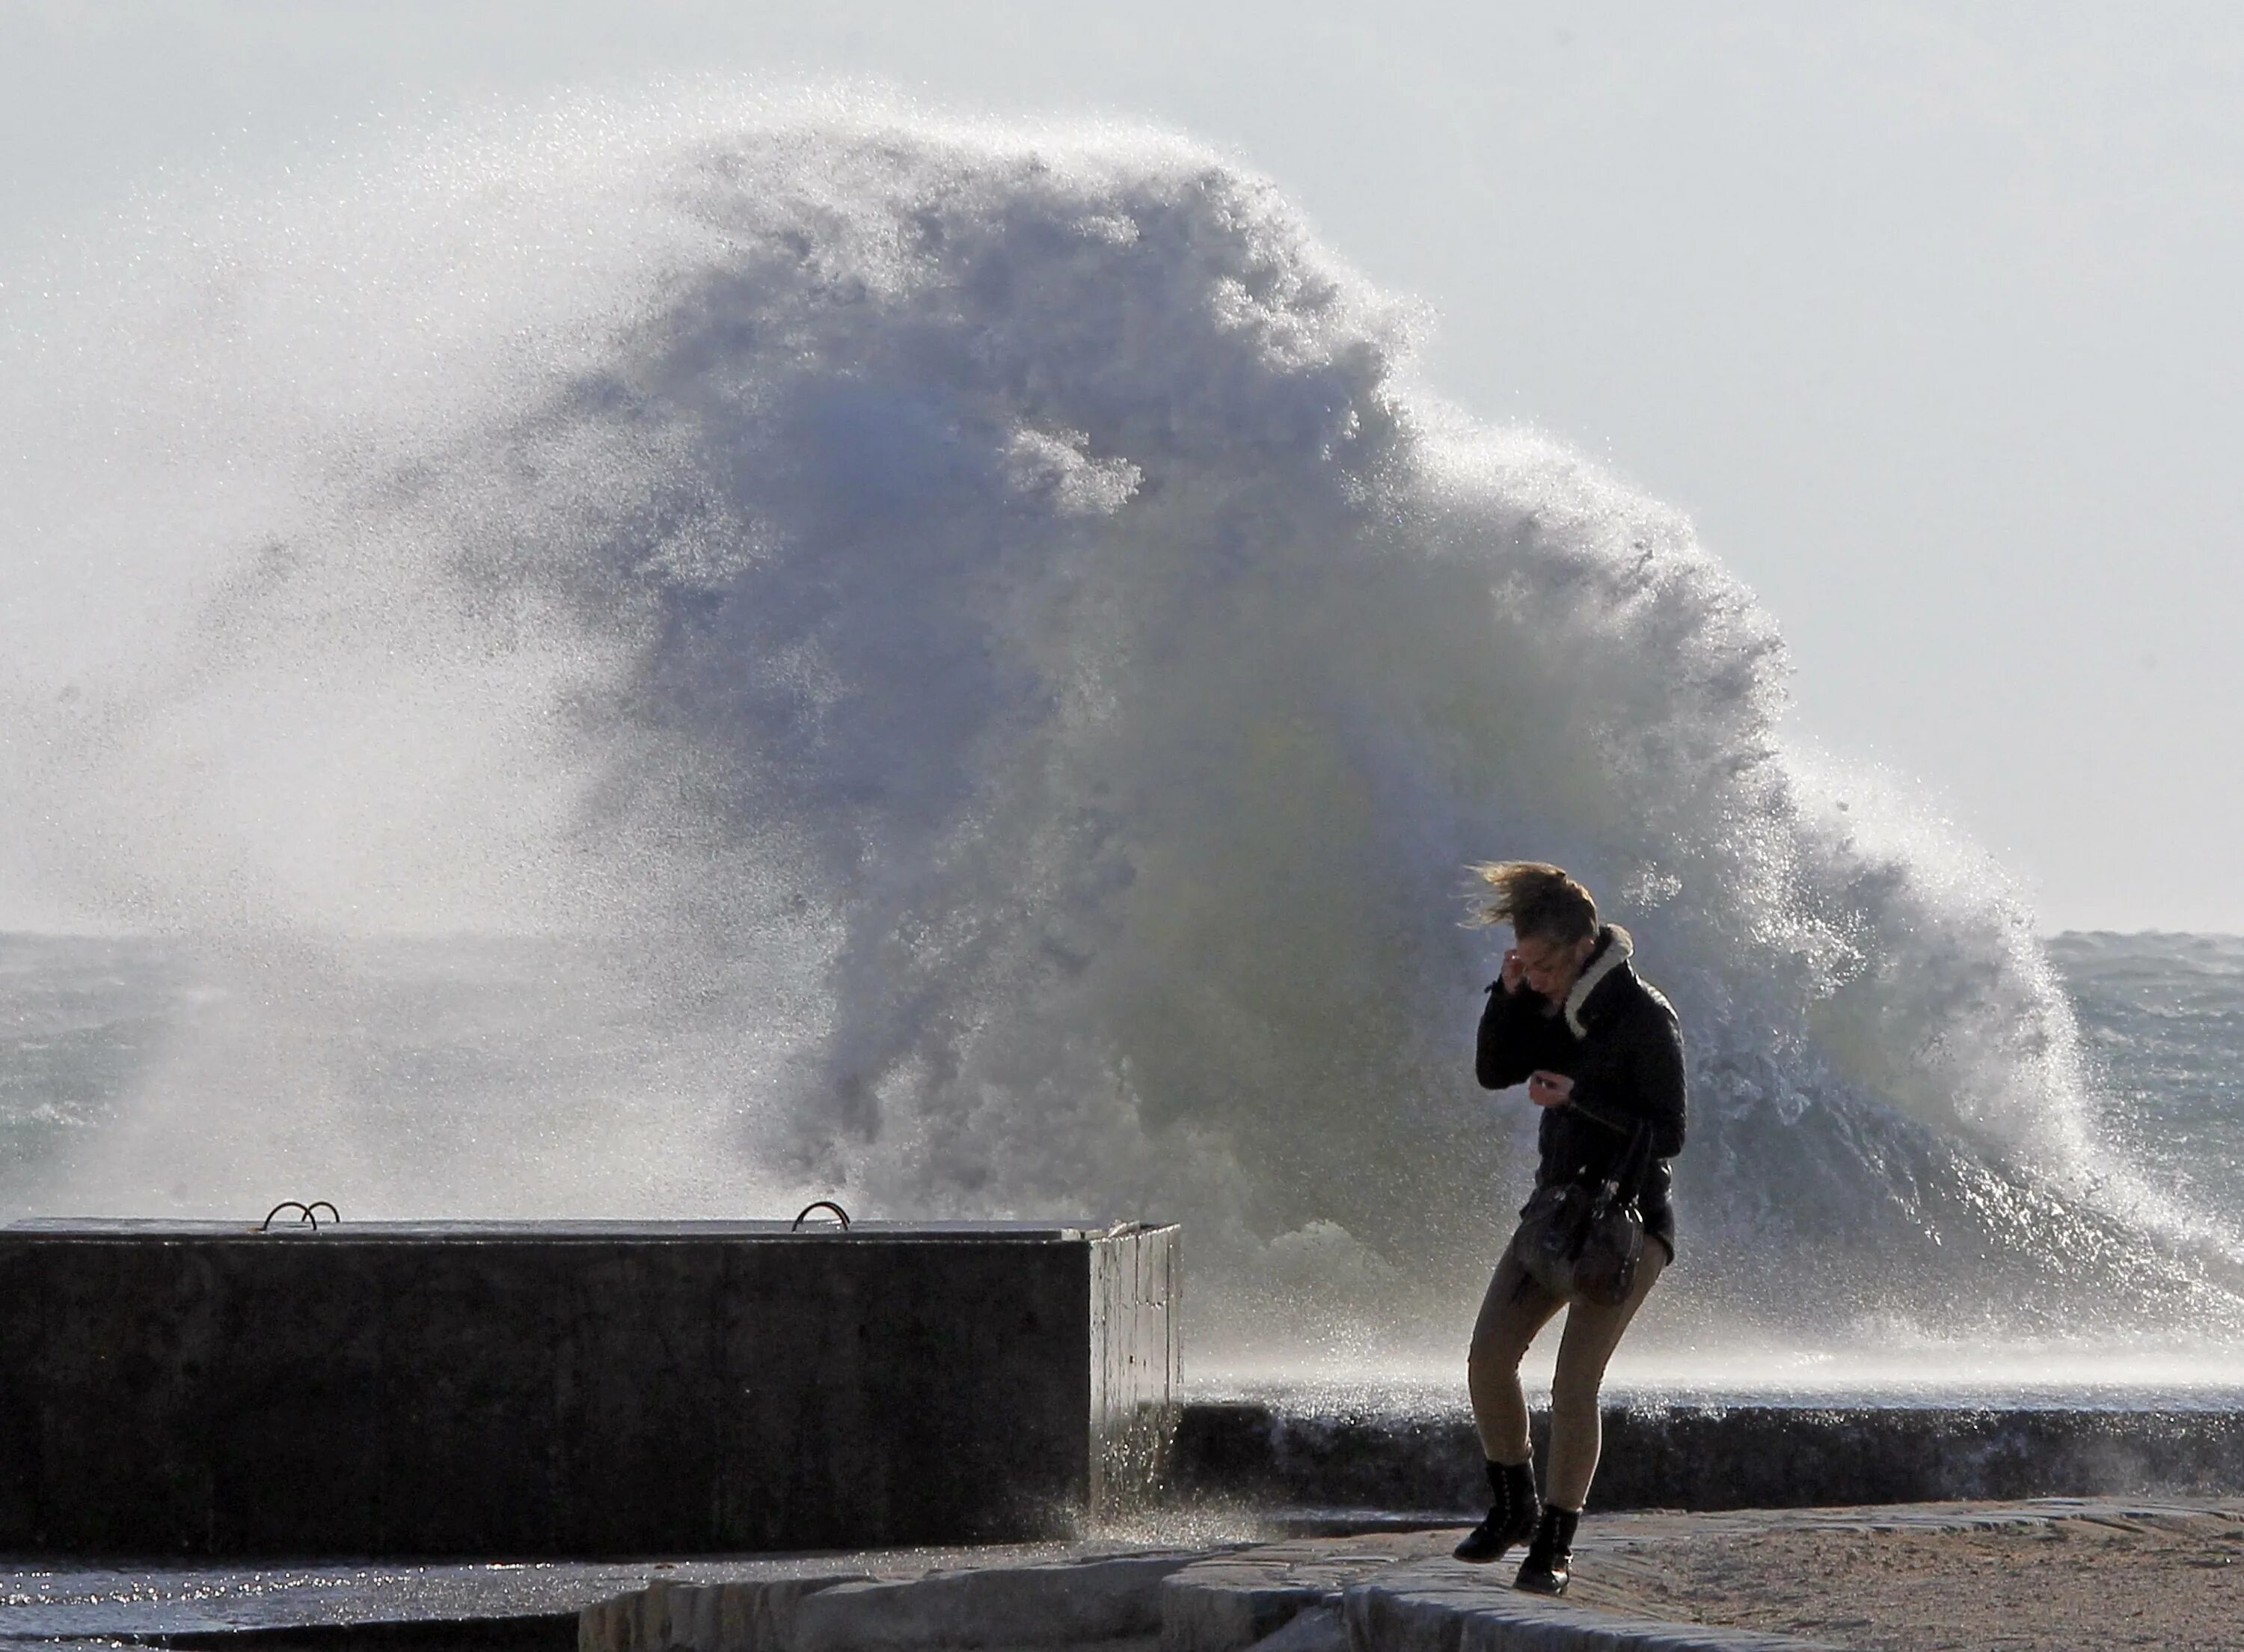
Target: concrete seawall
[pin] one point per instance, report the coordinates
(1717, 1457)
(585, 1388)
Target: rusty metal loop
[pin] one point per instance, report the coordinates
(803, 1214)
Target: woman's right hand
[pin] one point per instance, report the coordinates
(1514, 970)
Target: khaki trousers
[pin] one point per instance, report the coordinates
(1512, 1311)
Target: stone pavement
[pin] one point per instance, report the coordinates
(1379, 1591)
(47, 1601)
(1370, 1592)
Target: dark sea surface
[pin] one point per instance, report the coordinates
(460, 1029)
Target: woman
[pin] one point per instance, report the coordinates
(1601, 1054)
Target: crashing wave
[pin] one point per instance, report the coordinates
(979, 643)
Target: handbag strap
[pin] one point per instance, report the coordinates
(1628, 1178)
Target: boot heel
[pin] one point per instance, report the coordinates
(1549, 1561)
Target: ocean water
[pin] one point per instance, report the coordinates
(678, 656)
(2163, 1016)
(457, 1042)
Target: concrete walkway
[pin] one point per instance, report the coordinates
(55, 1601)
(1372, 1591)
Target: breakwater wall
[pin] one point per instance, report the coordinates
(574, 1388)
(1717, 1456)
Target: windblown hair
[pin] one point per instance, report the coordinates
(1535, 900)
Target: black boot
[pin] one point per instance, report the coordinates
(1551, 1556)
(1510, 1514)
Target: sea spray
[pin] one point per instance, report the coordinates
(954, 666)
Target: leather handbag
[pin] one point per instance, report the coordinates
(1582, 1242)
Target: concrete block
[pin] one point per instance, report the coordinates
(1215, 1608)
(680, 1617)
(1013, 1607)
(1709, 1457)
(1401, 1621)
(1430, 1613)
(768, 1612)
(754, 1616)
(1318, 1629)
(571, 1388)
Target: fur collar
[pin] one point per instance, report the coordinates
(1609, 957)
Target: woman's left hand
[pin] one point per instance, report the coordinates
(1550, 1089)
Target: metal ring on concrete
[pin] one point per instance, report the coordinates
(803, 1214)
(305, 1213)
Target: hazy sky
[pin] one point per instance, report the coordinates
(1931, 316)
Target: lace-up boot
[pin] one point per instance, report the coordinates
(1551, 1556)
(1510, 1514)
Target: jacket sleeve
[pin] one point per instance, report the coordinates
(1655, 1075)
(1506, 1051)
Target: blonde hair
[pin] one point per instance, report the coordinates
(1535, 899)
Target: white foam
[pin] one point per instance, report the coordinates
(981, 631)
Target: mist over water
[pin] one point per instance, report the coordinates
(677, 658)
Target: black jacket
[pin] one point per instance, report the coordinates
(1618, 1040)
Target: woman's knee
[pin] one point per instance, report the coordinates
(1582, 1356)
(1499, 1343)
(1576, 1398)
(1488, 1361)
(1511, 1312)
(1592, 1335)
